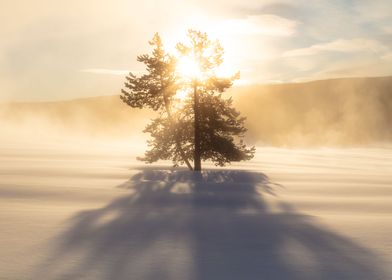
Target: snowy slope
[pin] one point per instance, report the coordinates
(92, 212)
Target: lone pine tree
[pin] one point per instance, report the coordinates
(195, 122)
(156, 89)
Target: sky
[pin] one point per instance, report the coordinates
(56, 50)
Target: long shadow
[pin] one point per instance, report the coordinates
(176, 226)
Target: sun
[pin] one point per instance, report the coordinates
(189, 71)
(188, 67)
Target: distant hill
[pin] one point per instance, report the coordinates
(327, 112)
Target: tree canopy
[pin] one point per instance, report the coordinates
(195, 122)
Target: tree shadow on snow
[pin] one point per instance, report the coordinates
(176, 226)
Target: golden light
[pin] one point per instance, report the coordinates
(189, 68)
(179, 99)
(182, 94)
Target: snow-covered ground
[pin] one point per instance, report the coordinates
(93, 212)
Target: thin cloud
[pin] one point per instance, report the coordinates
(103, 71)
(271, 25)
(341, 45)
(387, 56)
(387, 29)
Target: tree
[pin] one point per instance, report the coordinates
(201, 125)
(155, 89)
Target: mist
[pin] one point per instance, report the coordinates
(339, 112)
(93, 120)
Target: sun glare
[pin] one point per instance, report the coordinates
(182, 94)
(189, 68)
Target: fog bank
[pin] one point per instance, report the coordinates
(339, 112)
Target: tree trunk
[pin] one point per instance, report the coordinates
(178, 143)
(196, 108)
